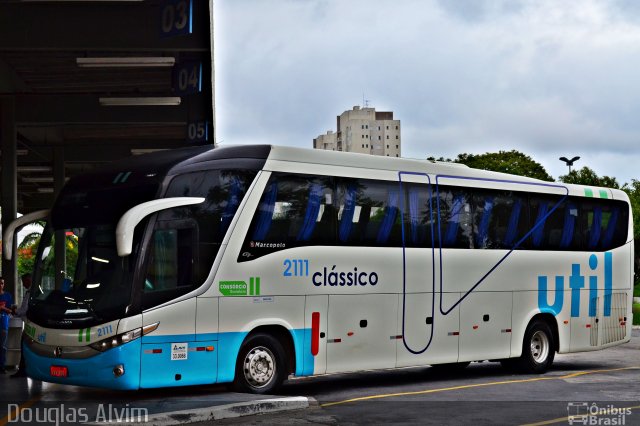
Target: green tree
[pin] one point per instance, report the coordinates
(27, 253)
(587, 176)
(512, 162)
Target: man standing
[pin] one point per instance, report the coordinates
(21, 312)
(6, 301)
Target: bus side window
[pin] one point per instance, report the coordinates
(499, 219)
(294, 211)
(418, 216)
(223, 191)
(483, 214)
(171, 260)
(369, 213)
(456, 218)
(509, 221)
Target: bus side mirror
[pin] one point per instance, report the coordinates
(9, 233)
(133, 216)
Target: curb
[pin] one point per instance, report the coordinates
(228, 411)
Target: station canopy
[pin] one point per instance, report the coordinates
(88, 82)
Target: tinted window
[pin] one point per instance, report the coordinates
(604, 225)
(303, 210)
(500, 219)
(420, 226)
(369, 213)
(455, 217)
(295, 210)
(186, 240)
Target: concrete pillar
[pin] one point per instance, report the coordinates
(9, 203)
(59, 249)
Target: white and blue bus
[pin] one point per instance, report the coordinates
(249, 264)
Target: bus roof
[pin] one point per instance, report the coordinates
(175, 161)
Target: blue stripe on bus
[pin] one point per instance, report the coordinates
(304, 359)
(159, 370)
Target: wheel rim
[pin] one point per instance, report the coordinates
(259, 367)
(539, 347)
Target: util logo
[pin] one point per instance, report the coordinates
(577, 281)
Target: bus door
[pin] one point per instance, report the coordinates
(171, 355)
(424, 335)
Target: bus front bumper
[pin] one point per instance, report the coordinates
(95, 371)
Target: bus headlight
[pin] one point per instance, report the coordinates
(114, 341)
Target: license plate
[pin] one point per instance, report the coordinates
(58, 371)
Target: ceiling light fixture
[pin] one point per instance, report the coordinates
(19, 152)
(34, 168)
(37, 179)
(125, 62)
(149, 101)
(141, 151)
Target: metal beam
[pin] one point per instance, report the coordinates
(83, 109)
(94, 26)
(9, 202)
(60, 243)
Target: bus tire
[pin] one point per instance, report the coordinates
(538, 349)
(261, 366)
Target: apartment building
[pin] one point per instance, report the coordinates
(363, 130)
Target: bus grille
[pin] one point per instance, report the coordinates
(611, 328)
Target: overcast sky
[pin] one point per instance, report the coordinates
(549, 78)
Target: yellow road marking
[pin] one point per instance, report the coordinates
(475, 385)
(566, 419)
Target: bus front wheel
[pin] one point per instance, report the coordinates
(538, 349)
(260, 367)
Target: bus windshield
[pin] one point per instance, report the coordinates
(90, 283)
(79, 280)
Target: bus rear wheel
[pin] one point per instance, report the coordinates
(538, 349)
(260, 367)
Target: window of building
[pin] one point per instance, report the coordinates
(396, 136)
(387, 127)
(396, 146)
(366, 127)
(387, 136)
(378, 127)
(379, 137)
(362, 136)
(387, 146)
(363, 127)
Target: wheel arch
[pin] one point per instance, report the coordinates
(552, 322)
(284, 335)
